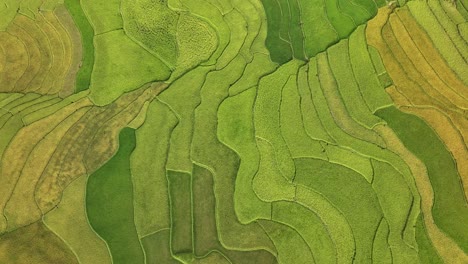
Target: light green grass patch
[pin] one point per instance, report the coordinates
(104, 15)
(312, 124)
(260, 66)
(267, 117)
(350, 193)
(350, 159)
(337, 226)
(148, 163)
(339, 112)
(121, 65)
(208, 152)
(364, 72)
(396, 201)
(310, 227)
(269, 183)
(196, 40)
(153, 25)
(212, 14)
(340, 64)
(319, 36)
(183, 96)
(238, 30)
(291, 124)
(236, 130)
(8, 12)
(290, 245)
(380, 249)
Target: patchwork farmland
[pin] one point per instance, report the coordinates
(233, 131)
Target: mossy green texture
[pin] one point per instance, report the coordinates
(223, 162)
(148, 164)
(427, 252)
(350, 193)
(366, 75)
(380, 249)
(157, 248)
(450, 208)
(302, 28)
(236, 130)
(109, 203)
(180, 194)
(83, 77)
(310, 227)
(280, 49)
(153, 25)
(205, 230)
(283, 237)
(267, 115)
(291, 123)
(395, 208)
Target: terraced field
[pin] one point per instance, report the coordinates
(233, 131)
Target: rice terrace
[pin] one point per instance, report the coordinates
(233, 131)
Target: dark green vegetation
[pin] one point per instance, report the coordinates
(83, 78)
(157, 249)
(109, 203)
(449, 202)
(180, 190)
(302, 28)
(427, 252)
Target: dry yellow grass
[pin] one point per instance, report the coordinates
(407, 78)
(423, 80)
(17, 156)
(43, 54)
(77, 154)
(16, 61)
(34, 55)
(423, 85)
(72, 213)
(49, 85)
(67, 55)
(443, 127)
(21, 209)
(76, 48)
(45, 61)
(47, 155)
(424, 43)
(420, 59)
